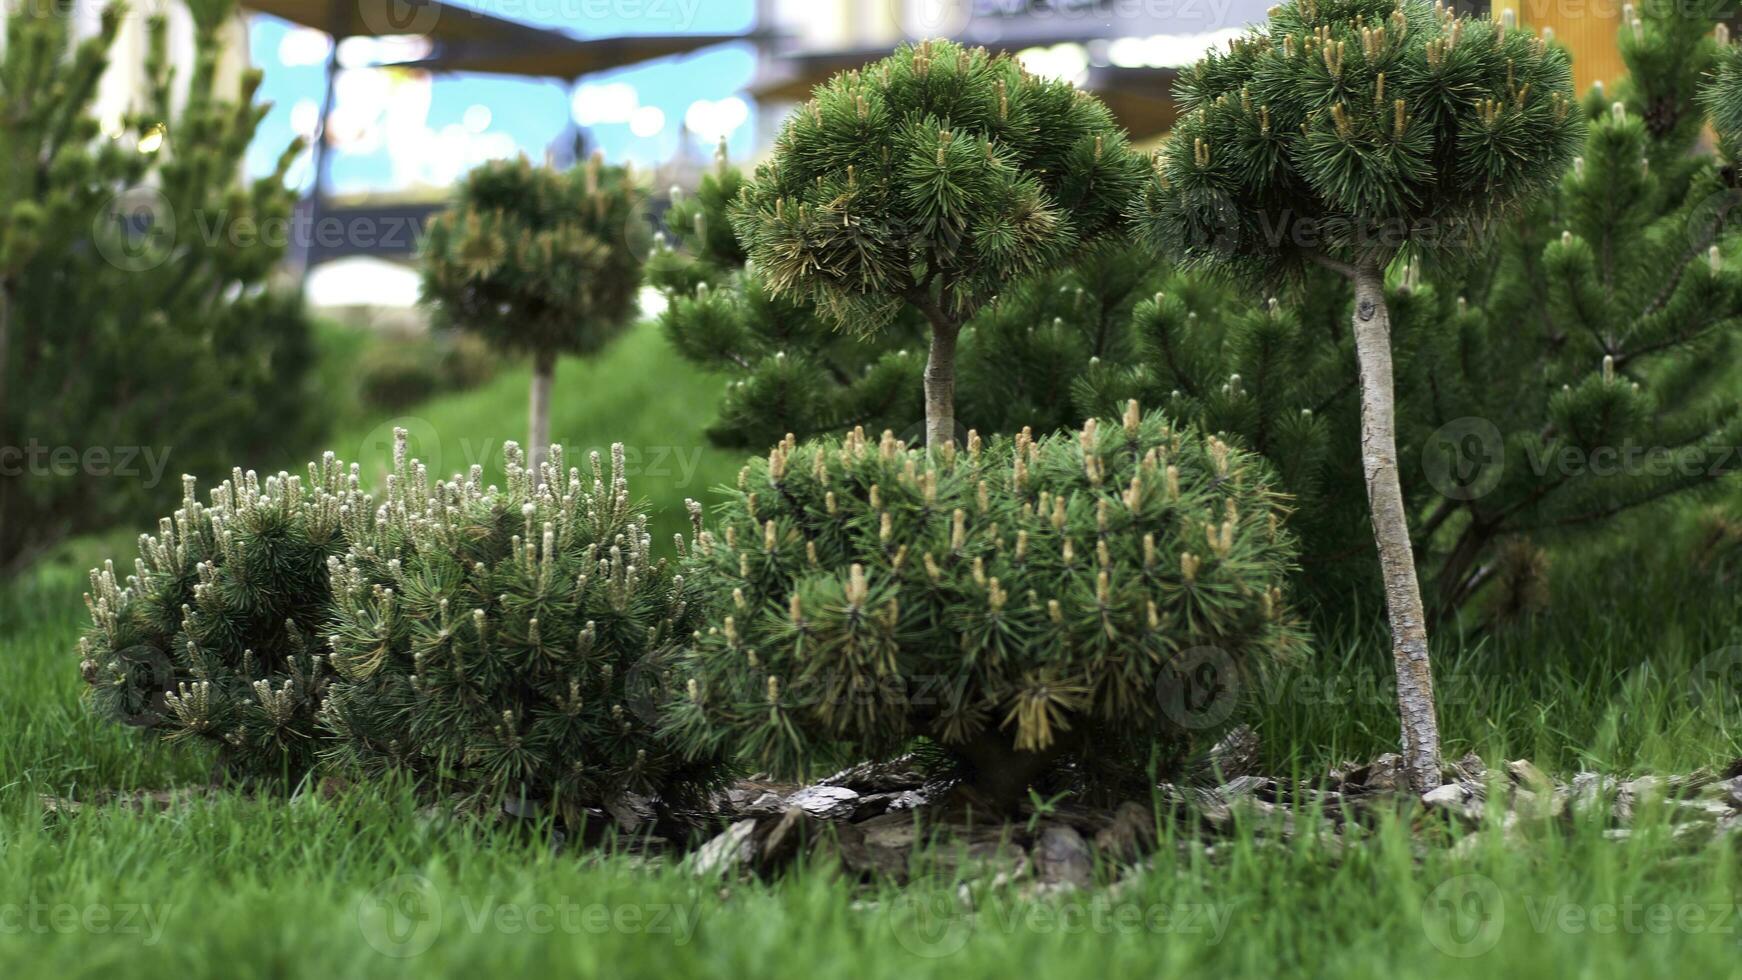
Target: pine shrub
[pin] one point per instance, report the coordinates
(1038, 608)
(137, 326)
(217, 638)
(511, 643)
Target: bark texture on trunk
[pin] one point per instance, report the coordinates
(940, 385)
(1415, 686)
(538, 439)
(5, 337)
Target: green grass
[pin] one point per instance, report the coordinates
(340, 887)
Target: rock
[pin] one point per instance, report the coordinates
(1130, 836)
(1234, 755)
(726, 853)
(1247, 786)
(826, 802)
(631, 811)
(1470, 768)
(1524, 773)
(1382, 775)
(1458, 799)
(783, 839)
(893, 776)
(754, 798)
(1062, 857)
(1588, 791)
(877, 804)
(846, 842)
(896, 831)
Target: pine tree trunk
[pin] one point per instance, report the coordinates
(5, 337)
(538, 440)
(940, 384)
(1415, 686)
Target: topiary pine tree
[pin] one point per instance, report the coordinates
(1341, 134)
(1024, 604)
(136, 328)
(216, 637)
(539, 262)
(928, 182)
(792, 370)
(511, 644)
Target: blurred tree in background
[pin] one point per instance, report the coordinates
(138, 338)
(539, 261)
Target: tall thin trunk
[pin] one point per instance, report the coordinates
(1415, 684)
(940, 383)
(5, 337)
(538, 440)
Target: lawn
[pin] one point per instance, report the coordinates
(368, 883)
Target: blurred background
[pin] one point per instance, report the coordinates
(397, 98)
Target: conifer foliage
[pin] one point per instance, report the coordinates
(1023, 604)
(512, 643)
(791, 370)
(539, 262)
(218, 636)
(926, 182)
(1570, 373)
(135, 322)
(1342, 133)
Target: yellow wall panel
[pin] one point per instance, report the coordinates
(1586, 27)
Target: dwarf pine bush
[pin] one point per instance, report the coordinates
(216, 636)
(1023, 603)
(510, 643)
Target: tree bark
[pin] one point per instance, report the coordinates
(1409, 650)
(940, 384)
(5, 337)
(538, 439)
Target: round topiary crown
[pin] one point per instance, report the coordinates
(1349, 129)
